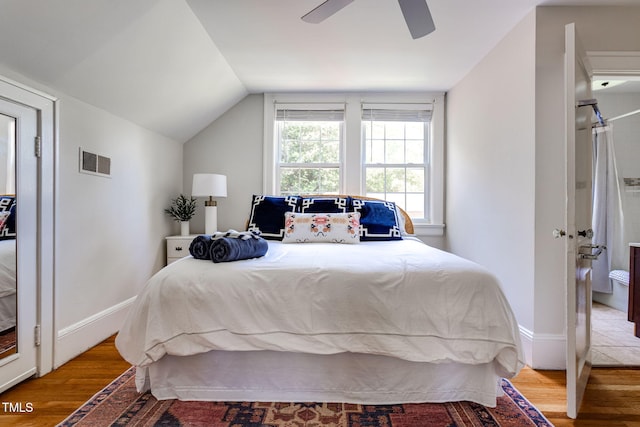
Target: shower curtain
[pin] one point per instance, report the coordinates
(607, 217)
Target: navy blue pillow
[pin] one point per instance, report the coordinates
(8, 204)
(324, 205)
(378, 220)
(267, 214)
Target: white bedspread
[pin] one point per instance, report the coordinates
(400, 298)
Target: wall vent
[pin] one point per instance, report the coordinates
(94, 164)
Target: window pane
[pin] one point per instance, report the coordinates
(377, 130)
(317, 142)
(310, 152)
(415, 151)
(309, 131)
(395, 180)
(414, 130)
(289, 151)
(415, 180)
(375, 180)
(289, 131)
(394, 130)
(395, 151)
(415, 205)
(309, 180)
(288, 180)
(330, 151)
(330, 131)
(329, 181)
(376, 151)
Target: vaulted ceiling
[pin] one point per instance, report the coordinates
(174, 66)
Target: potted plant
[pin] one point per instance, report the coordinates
(182, 209)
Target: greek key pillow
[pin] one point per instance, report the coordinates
(321, 227)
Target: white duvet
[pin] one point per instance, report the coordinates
(400, 298)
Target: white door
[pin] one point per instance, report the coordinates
(21, 122)
(579, 248)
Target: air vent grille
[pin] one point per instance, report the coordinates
(94, 164)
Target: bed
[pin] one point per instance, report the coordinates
(381, 321)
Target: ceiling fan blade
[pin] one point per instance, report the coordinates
(418, 17)
(325, 10)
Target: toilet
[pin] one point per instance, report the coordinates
(620, 277)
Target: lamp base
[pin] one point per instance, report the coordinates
(210, 219)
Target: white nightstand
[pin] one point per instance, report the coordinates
(178, 247)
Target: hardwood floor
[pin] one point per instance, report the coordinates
(56, 395)
(612, 397)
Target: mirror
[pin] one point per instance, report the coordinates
(8, 236)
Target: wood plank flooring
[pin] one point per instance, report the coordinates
(612, 397)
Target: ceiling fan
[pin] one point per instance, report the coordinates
(416, 14)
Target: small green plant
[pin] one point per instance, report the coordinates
(182, 208)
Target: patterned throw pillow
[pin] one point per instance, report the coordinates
(267, 214)
(8, 208)
(324, 205)
(378, 220)
(322, 227)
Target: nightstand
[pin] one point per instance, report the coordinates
(178, 247)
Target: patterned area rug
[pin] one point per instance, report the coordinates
(120, 404)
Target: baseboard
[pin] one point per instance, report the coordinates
(544, 351)
(81, 336)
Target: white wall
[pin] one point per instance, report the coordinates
(491, 166)
(109, 231)
(232, 146)
(516, 229)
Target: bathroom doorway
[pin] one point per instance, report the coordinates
(614, 343)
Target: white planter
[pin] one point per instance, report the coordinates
(184, 228)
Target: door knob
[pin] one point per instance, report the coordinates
(586, 233)
(557, 233)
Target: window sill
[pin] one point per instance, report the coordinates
(428, 229)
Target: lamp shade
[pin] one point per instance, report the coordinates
(209, 185)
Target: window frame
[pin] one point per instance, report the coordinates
(352, 155)
(424, 164)
(328, 165)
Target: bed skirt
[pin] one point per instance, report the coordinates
(272, 376)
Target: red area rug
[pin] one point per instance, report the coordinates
(120, 404)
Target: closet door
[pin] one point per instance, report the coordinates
(19, 198)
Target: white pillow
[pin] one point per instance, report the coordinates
(321, 227)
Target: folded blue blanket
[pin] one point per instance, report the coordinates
(227, 249)
(201, 246)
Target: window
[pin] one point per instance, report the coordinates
(389, 146)
(396, 147)
(309, 145)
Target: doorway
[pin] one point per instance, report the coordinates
(27, 182)
(18, 240)
(614, 343)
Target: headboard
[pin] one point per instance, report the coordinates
(408, 224)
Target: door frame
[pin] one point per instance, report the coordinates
(47, 109)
